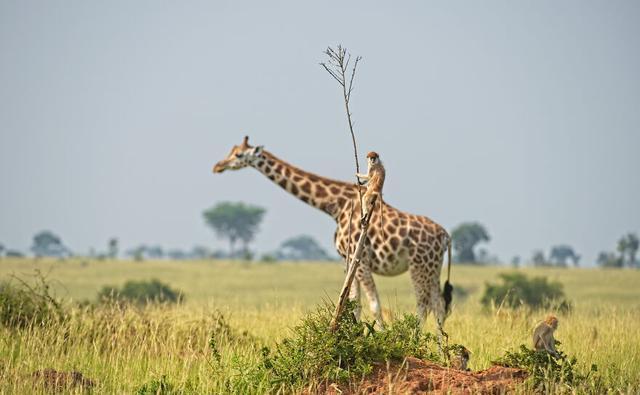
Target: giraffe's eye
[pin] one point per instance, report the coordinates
(238, 156)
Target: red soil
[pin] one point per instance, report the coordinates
(415, 376)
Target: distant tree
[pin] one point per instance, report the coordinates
(465, 237)
(137, 253)
(235, 222)
(112, 251)
(538, 259)
(155, 252)
(2, 249)
(268, 258)
(302, 248)
(14, 254)
(219, 254)
(245, 254)
(515, 261)
(46, 243)
(609, 259)
(484, 257)
(628, 248)
(560, 254)
(177, 254)
(200, 252)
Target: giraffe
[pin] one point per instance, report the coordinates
(396, 243)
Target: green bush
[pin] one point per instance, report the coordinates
(141, 293)
(22, 305)
(517, 290)
(545, 371)
(268, 258)
(223, 334)
(460, 293)
(313, 352)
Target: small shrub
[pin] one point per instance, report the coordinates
(460, 293)
(268, 258)
(222, 334)
(141, 293)
(238, 371)
(22, 305)
(546, 370)
(161, 386)
(517, 290)
(313, 352)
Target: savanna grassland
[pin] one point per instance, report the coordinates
(248, 305)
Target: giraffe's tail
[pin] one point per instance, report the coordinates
(447, 292)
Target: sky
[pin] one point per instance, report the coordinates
(524, 116)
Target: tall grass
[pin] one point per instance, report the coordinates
(124, 349)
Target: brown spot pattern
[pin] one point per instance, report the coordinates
(397, 239)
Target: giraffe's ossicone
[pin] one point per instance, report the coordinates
(397, 242)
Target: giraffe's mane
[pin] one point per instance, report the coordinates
(311, 176)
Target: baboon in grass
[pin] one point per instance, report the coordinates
(543, 335)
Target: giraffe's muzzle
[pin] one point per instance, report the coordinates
(219, 167)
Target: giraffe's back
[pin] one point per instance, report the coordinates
(399, 240)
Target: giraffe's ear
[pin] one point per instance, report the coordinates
(257, 151)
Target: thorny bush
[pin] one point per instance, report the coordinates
(23, 305)
(314, 353)
(546, 371)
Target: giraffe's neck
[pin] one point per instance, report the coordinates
(322, 193)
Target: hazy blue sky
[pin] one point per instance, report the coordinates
(524, 116)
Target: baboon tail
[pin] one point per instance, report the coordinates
(447, 292)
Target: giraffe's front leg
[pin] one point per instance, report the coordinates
(365, 278)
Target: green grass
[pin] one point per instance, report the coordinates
(123, 350)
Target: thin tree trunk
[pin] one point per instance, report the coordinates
(232, 248)
(245, 249)
(351, 269)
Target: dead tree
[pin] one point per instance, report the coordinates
(338, 67)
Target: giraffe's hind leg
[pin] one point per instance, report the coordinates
(437, 302)
(365, 278)
(427, 288)
(437, 305)
(420, 280)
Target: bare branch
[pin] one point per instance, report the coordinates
(338, 68)
(332, 73)
(353, 74)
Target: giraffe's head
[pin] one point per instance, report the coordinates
(240, 156)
